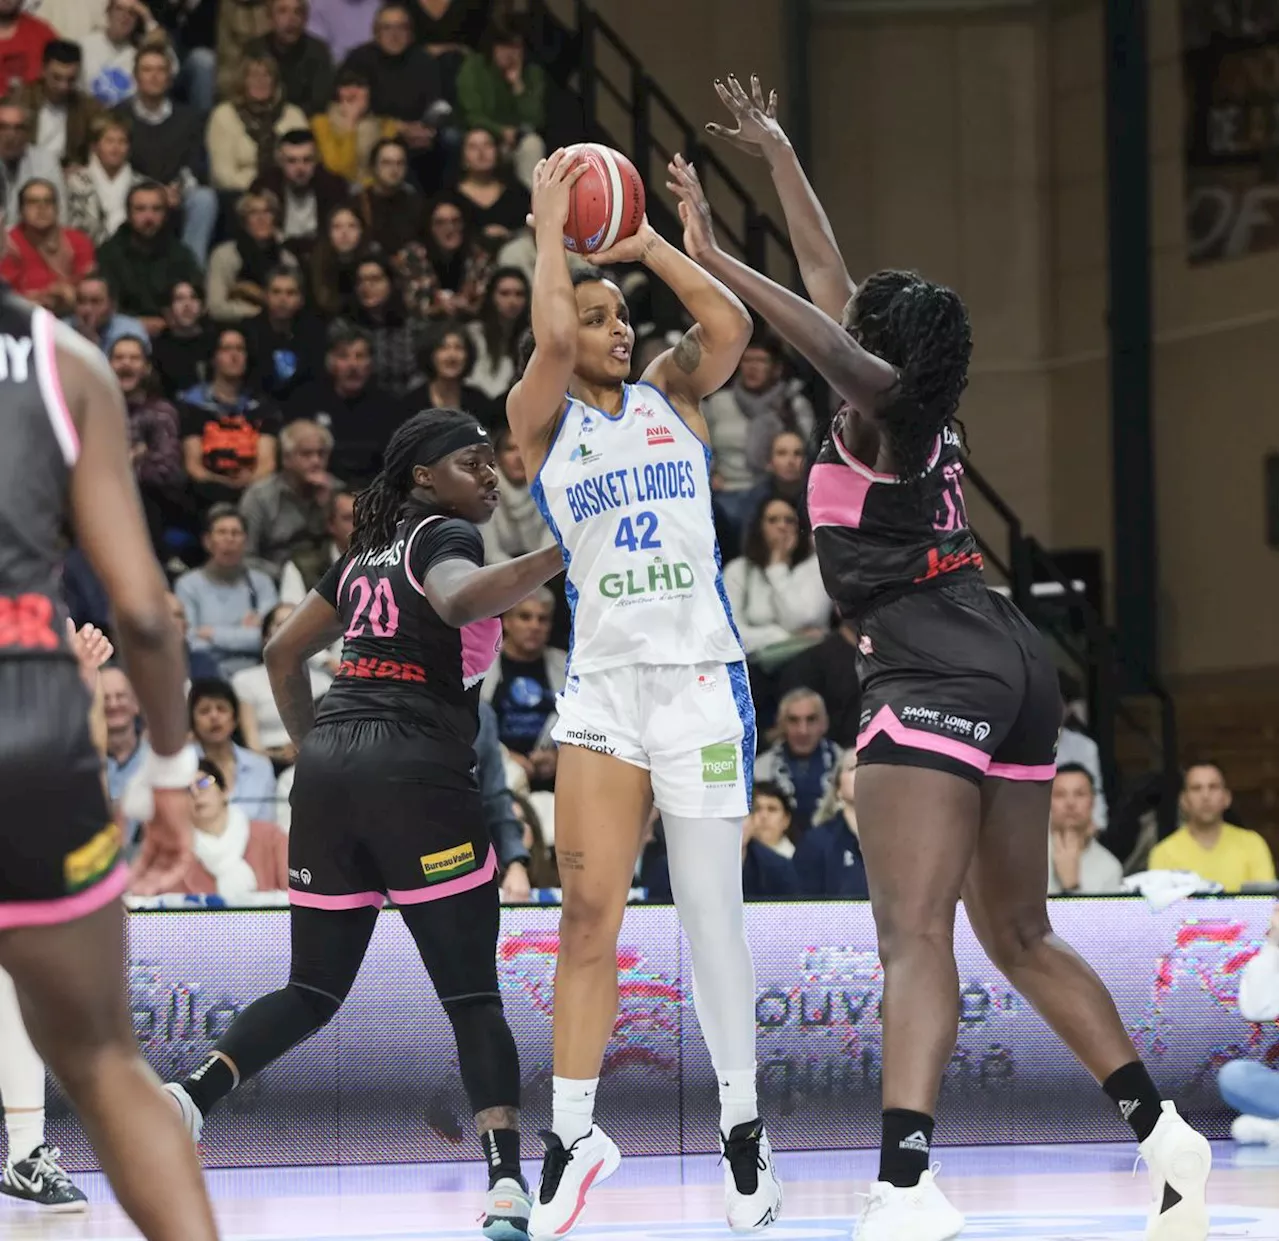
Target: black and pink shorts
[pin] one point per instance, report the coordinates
(956, 679)
(381, 809)
(61, 852)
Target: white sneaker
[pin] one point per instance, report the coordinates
(1255, 1131)
(1178, 1159)
(920, 1213)
(191, 1115)
(567, 1175)
(752, 1190)
(506, 1211)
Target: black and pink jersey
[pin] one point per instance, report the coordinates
(876, 537)
(400, 661)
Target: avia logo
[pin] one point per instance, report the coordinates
(658, 434)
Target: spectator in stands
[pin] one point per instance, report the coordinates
(143, 260)
(307, 191)
(228, 432)
(1076, 746)
(1205, 844)
(61, 114)
(833, 664)
(286, 341)
(44, 261)
(191, 27)
(405, 86)
(449, 29)
(225, 599)
(183, 353)
(342, 24)
(95, 316)
(200, 664)
(243, 130)
(775, 587)
(396, 338)
(286, 515)
(445, 359)
(499, 207)
(111, 52)
(497, 331)
(501, 91)
(239, 24)
(155, 446)
(350, 404)
(522, 686)
(772, 817)
(239, 269)
(392, 211)
(19, 160)
(1078, 864)
(786, 478)
(451, 284)
(334, 261)
(234, 855)
(248, 778)
(1248, 1086)
(305, 63)
(167, 146)
(126, 736)
(347, 130)
(23, 39)
(803, 761)
(97, 193)
(339, 523)
(828, 859)
(259, 718)
(517, 525)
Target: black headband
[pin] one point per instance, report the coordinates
(451, 438)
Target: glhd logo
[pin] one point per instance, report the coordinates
(720, 764)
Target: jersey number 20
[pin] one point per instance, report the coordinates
(642, 533)
(379, 602)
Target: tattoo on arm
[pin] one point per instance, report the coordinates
(687, 355)
(296, 704)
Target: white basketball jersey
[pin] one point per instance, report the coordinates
(628, 498)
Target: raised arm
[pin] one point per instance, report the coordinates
(857, 376)
(312, 626)
(535, 403)
(822, 265)
(462, 592)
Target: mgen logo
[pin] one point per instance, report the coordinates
(658, 434)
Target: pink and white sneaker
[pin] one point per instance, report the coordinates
(568, 1173)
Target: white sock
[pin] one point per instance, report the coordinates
(573, 1102)
(26, 1132)
(737, 1098)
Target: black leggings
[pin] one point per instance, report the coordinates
(457, 939)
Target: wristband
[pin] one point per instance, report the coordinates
(174, 772)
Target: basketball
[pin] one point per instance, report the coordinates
(607, 204)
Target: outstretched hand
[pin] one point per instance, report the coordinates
(757, 121)
(695, 211)
(553, 179)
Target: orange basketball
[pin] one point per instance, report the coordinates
(607, 203)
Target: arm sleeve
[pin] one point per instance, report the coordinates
(1259, 996)
(452, 539)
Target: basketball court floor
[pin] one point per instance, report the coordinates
(1036, 1193)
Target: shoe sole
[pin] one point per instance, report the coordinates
(47, 1208)
(601, 1172)
(505, 1230)
(1189, 1219)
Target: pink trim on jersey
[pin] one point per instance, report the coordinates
(65, 908)
(481, 642)
(438, 891)
(836, 496)
(865, 471)
(352, 900)
(917, 739)
(45, 360)
(408, 548)
(346, 573)
(1022, 771)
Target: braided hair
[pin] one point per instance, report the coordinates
(923, 330)
(380, 507)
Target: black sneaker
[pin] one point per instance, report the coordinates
(39, 1179)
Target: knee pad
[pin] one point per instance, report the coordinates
(487, 1053)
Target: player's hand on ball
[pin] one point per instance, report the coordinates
(629, 250)
(695, 211)
(553, 179)
(757, 121)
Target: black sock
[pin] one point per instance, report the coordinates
(904, 1146)
(1131, 1089)
(502, 1152)
(212, 1081)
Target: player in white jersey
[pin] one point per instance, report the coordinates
(656, 708)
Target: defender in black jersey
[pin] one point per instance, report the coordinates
(960, 711)
(62, 927)
(385, 802)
